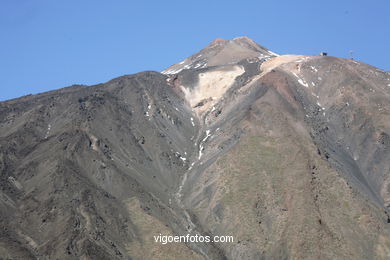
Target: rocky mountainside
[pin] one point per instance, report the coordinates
(288, 154)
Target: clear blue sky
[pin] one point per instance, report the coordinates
(49, 44)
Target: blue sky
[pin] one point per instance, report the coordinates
(49, 44)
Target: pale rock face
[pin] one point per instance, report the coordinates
(210, 87)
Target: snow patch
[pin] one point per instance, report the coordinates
(301, 81)
(48, 131)
(200, 151)
(192, 164)
(318, 104)
(201, 147)
(197, 65)
(171, 71)
(273, 53)
(147, 112)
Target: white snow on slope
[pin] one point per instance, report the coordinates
(301, 81)
(48, 131)
(202, 142)
(273, 53)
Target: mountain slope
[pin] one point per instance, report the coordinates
(289, 154)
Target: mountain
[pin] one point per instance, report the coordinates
(288, 154)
